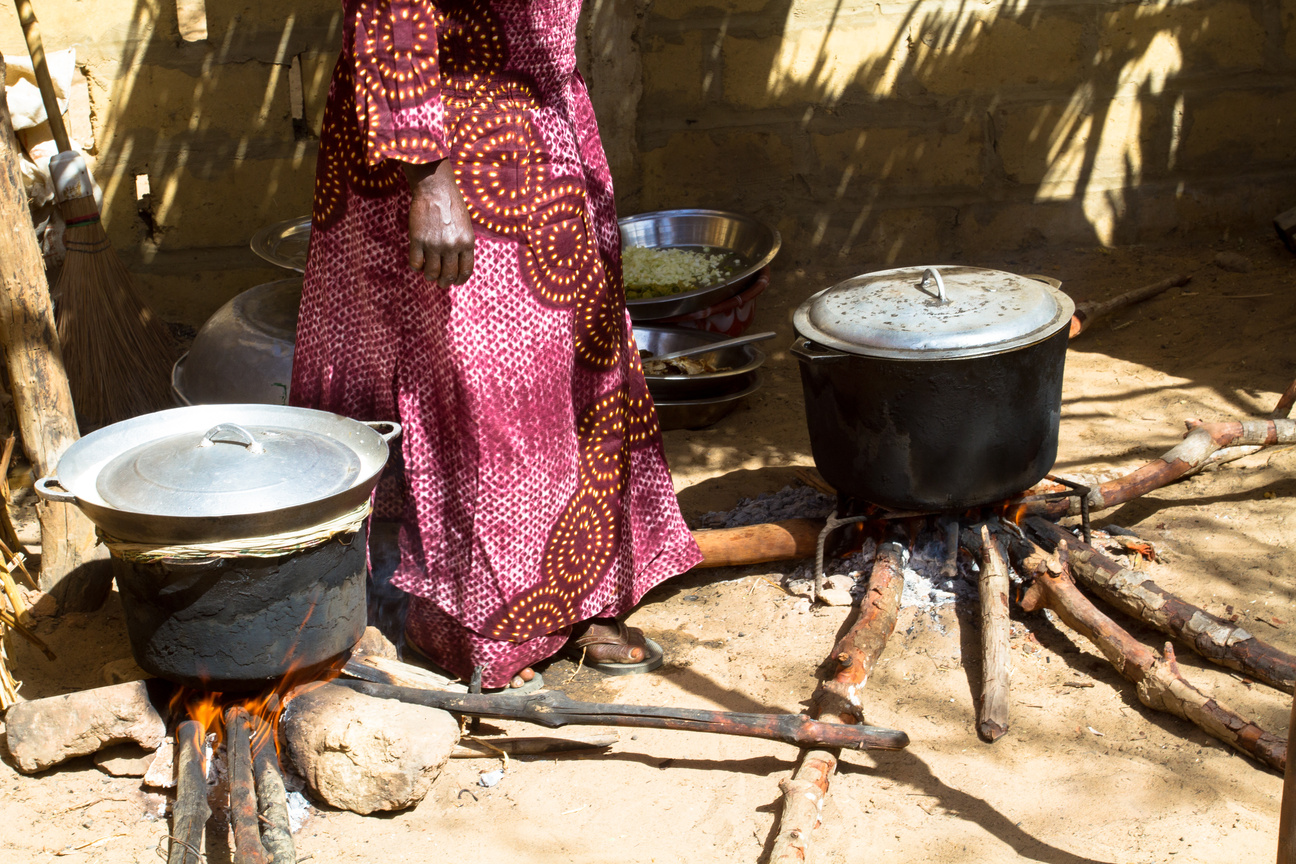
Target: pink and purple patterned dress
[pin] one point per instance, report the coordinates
(533, 491)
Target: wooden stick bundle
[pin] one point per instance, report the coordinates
(1216, 639)
(1159, 683)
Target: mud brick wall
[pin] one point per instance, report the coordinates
(896, 132)
(205, 117)
(883, 133)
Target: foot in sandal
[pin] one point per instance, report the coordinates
(611, 647)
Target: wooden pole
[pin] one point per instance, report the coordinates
(190, 812)
(1287, 811)
(996, 663)
(72, 570)
(838, 701)
(759, 544)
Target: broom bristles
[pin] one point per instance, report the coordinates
(117, 353)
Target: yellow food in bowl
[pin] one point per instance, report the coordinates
(661, 272)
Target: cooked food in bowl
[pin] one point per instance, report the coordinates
(660, 272)
(703, 365)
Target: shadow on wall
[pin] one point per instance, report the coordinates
(205, 116)
(894, 131)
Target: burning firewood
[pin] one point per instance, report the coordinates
(1159, 683)
(1216, 639)
(272, 798)
(190, 813)
(242, 789)
(996, 661)
(838, 701)
(1200, 444)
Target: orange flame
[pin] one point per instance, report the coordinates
(266, 707)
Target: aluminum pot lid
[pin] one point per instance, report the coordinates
(229, 469)
(933, 313)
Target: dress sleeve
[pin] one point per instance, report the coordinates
(397, 83)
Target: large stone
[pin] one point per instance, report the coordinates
(364, 754)
(45, 732)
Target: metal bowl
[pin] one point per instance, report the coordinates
(700, 413)
(753, 242)
(739, 363)
(284, 244)
(244, 352)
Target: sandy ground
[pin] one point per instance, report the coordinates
(1086, 774)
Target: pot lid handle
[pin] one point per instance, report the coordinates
(231, 433)
(932, 272)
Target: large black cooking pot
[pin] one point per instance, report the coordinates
(231, 624)
(933, 387)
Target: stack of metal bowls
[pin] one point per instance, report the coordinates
(696, 401)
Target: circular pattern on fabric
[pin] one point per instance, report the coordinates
(605, 456)
(470, 41)
(535, 612)
(559, 257)
(404, 36)
(501, 166)
(599, 325)
(341, 161)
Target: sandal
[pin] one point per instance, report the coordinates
(575, 650)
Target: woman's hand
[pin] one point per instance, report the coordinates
(440, 229)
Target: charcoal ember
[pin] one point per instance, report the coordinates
(44, 732)
(363, 754)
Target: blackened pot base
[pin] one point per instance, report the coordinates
(239, 624)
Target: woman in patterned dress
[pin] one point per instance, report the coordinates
(464, 278)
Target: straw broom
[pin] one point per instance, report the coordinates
(117, 353)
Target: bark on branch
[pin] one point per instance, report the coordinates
(1216, 639)
(1158, 681)
(996, 668)
(1087, 313)
(1192, 454)
(759, 544)
(838, 700)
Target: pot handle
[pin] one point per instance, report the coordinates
(49, 489)
(933, 273)
(1047, 280)
(392, 433)
(231, 433)
(810, 352)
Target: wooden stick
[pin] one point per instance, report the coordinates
(535, 745)
(7, 530)
(1185, 458)
(759, 544)
(8, 619)
(1158, 681)
(72, 570)
(1087, 313)
(996, 661)
(949, 565)
(1214, 638)
(1284, 406)
(1287, 810)
(384, 670)
(190, 812)
(855, 656)
(272, 797)
(242, 789)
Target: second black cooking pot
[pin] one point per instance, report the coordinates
(933, 387)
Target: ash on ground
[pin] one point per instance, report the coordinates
(924, 586)
(790, 502)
